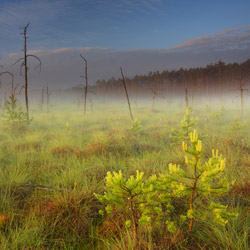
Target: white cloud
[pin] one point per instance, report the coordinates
(230, 38)
(63, 67)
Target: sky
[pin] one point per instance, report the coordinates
(139, 35)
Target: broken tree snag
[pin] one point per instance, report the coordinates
(125, 88)
(48, 95)
(26, 70)
(86, 83)
(241, 96)
(24, 64)
(241, 89)
(154, 95)
(42, 98)
(186, 97)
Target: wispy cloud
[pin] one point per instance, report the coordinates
(17, 14)
(129, 6)
(233, 38)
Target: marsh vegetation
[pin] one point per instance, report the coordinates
(53, 170)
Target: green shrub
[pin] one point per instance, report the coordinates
(14, 113)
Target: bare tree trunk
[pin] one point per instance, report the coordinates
(125, 88)
(241, 97)
(42, 98)
(153, 101)
(47, 93)
(5, 101)
(186, 97)
(86, 84)
(24, 64)
(26, 71)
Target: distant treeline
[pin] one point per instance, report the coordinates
(215, 79)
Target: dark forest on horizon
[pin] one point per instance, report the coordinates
(218, 79)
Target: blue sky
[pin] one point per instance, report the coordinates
(117, 24)
(126, 25)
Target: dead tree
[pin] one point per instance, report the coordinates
(186, 97)
(86, 84)
(125, 88)
(241, 89)
(81, 86)
(154, 95)
(48, 97)
(42, 97)
(24, 63)
(5, 101)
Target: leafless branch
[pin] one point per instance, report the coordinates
(21, 89)
(91, 92)
(40, 63)
(20, 59)
(79, 85)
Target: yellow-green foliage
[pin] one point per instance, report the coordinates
(199, 182)
(185, 127)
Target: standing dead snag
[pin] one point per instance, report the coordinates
(24, 64)
(154, 94)
(125, 88)
(86, 83)
(42, 97)
(48, 96)
(186, 97)
(241, 89)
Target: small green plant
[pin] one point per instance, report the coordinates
(148, 205)
(14, 113)
(67, 126)
(136, 126)
(123, 194)
(218, 114)
(185, 128)
(138, 200)
(201, 183)
(236, 125)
